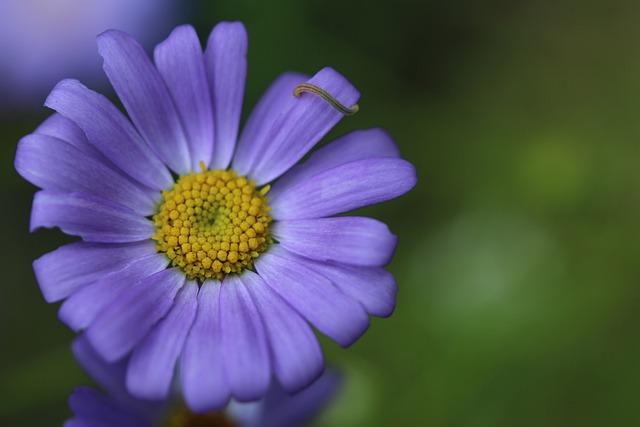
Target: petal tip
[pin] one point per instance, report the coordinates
(110, 34)
(337, 84)
(202, 405)
(412, 175)
(38, 268)
(62, 85)
(230, 26)
(229, 32)
(19, 161)
(304, 382)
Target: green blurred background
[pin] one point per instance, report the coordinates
(519, 261)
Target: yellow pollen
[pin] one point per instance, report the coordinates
(212, 223)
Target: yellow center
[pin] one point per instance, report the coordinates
(212, 223)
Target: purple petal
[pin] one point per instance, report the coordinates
(296, 355)
(75, 422)
(63, 271)
(347, 239)
(307, 121)
(92, 218)
(110, 132)
(272, 108)
(313, 296)
(145, 96)
(84, 422)
(81, 308)
(181, 63)
(357, 145)
(53, 164)
(201, 366)
(226, 62)
(121, 325)
(246, 356)
(373, 287)
(92, 408)
(344, 188)
(153, 361)
(286, 410)
(110, 376)
(58, 126)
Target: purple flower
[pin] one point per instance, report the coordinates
(218, 272)
(117, 408)
(42, 41)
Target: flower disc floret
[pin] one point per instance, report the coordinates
(212, 223)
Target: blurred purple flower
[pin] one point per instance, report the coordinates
(43, 41)
(117, 408)
(229, 272)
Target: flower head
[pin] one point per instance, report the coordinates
(117, 408)
(223, 270)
